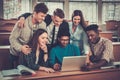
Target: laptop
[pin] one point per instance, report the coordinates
(73, 63)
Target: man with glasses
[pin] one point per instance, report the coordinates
(62, 49)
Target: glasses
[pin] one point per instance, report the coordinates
(64, 39)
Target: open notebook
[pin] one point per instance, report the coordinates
(73, 63)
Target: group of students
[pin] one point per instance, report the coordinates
(40, 41)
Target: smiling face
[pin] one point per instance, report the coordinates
(76, 20)
(93, 36)
(38, 17)
(43, 39)
(64, 40)
(57, 20)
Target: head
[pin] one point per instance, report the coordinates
(93, 33)
(40, 11)
(40, 37)
(77, 18)
(58, 16)
(63, 38)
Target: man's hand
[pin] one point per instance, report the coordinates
(21, 22)
(26, 49)
(57, 66)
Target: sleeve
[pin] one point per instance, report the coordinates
(48, 19)
(30, 61)
(86, 46)
(25, 15)
(108, 51)
(52, 57)
(77, 51)
(64, 26)
(13, 39)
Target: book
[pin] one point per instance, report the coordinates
(21, 70)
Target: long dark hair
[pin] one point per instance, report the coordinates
(34, 41)
(79, 13)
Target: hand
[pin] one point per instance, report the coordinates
(26, 49)
(48, 70)
(44, 48)
(57, 66)
(21, 22)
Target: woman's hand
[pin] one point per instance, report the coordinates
(44, 48)
(48, 70)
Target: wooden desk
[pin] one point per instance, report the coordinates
(107, 74)
(4, 57)
(116, 50)
(107, 34)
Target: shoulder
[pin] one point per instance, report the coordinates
(105, 40)
(72, 46)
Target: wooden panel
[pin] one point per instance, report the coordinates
(116, 50)
(4, 38)
(106, 34)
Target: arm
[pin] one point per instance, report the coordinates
(52, 57)
(108, 51)
(30, 61)
(25, 15)
(21, 19)
(77, 51)
(13, 39)
(85, 43)
(102, 62)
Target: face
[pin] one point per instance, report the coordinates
(57, 20)
(76, 20)
(39, 17)
(92, 36)
(43, 39)
(64, 40)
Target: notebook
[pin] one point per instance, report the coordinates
(73, 63)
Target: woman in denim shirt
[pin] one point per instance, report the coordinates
(78, 34)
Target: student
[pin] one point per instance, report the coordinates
(37, 59)
(54, 24)
(62, 49)
(20, 36)
(77, 32)
(101, 48)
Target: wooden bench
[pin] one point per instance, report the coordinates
(4, 57)
(107, 34)
(4, 38)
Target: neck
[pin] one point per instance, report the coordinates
(97, 40)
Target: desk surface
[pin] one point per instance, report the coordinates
(106, 74)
